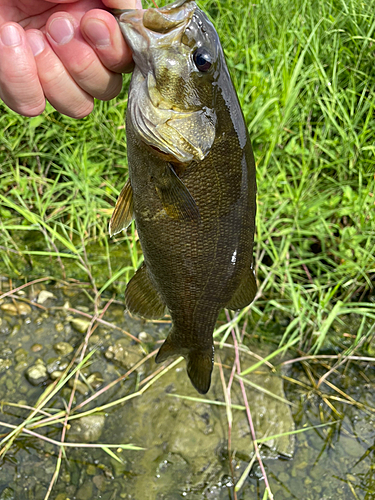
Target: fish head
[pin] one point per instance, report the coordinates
(178, 58)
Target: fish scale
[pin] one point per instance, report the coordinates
(191, 185)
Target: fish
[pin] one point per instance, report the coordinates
(191, 187)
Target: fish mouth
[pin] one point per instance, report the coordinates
(144, 28)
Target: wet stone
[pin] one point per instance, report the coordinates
(18, 309)
(61, 496)
(21, 366)
(44, 295)
(85, 491)
(86, 429)
(126, 355)
(91, 470)
(37, 374)
(56, 374)
(36, 347)
(95, 380)
(59, 327)
(80, 386)
(10, 309)
(7, 494)
(80, 325)
(5, 364)
(99, 482)
(63, 348)
(20, 355)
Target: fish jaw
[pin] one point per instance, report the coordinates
(144, 29)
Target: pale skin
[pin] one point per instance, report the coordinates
(65, 51)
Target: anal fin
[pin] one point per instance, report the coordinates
(245, 293)
(123, 212)
(142, 298)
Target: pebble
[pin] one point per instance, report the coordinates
(81, 325)
(20, 355)
(44, 295)
(61, 496)
(21, 309)
(86, 429)
(95, 380)
(56, 374)
(80, 386)
(99, 482)
(144, 337)
(36, 347)
(91, 470)
(85, 491)
(125, 354)
(37, 374)
(59, 327)
(7, 494)
(63, 348)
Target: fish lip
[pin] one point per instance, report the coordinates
(149, 24)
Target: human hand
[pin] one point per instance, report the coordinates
(68, 51)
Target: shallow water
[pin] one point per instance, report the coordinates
(186, 441)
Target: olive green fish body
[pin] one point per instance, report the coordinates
(193, 192)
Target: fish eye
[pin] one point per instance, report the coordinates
(202, 59)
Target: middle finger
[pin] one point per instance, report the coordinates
(79, 59)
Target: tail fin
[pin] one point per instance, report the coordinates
(199, 368)
(199, 362)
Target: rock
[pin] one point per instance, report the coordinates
(36, 347)
(20, 355)
(5, 364)
(126, 355)
(80, 386)
(44, 295)
(99, 482)
(56, 374)
(61, 496)
(7, 494)
(95, 380)
(145, 337)
(63, 348)
(37, 374)
(81, 325)
(85, 491)
(59, 327)
(91, 470)
(190, 440)
(17, 309)
(86, 429)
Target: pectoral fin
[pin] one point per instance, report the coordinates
(175, 197)
(142, 298)
(123, 212)
(245, 293)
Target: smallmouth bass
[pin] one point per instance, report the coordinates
(191, 186)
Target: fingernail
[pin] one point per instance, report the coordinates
(98, 33)
(36, 43)
(10, 36)
(61, 30)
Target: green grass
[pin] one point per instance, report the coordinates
(305, 78)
